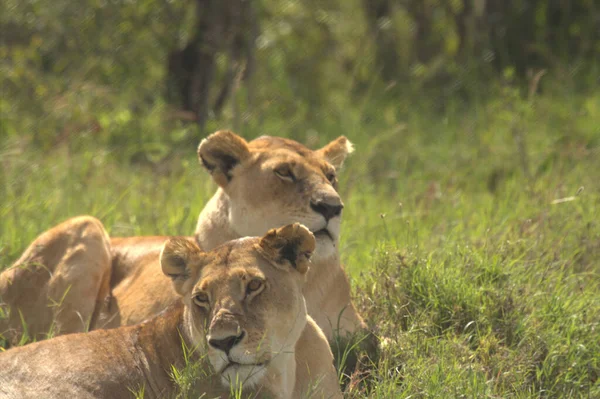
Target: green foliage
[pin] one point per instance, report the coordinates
(98, 68)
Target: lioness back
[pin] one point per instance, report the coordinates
(100, 364)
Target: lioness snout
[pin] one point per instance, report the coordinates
(326, 209)
(227, 343)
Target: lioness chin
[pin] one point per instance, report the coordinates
(241, 310)
(103, 282)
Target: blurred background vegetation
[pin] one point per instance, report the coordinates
(167, 70)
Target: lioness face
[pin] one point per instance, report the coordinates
(244, 300)
(271, 182)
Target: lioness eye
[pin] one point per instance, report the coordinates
(285, 174)
(201, 299)
(331, 177)
(254, 286)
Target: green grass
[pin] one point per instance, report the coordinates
(480, 282)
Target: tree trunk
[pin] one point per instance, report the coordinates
(222, 26)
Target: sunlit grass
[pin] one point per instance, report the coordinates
(480, 282)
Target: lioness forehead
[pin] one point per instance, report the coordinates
(217, 276)
(237, 258)
(287, 150)
(236, 251)
(273, 143)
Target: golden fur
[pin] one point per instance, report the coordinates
(241, 308)
(74, 277)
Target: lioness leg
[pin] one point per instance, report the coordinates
(58, 282)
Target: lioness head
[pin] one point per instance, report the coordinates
(271, 181)
(244, 302)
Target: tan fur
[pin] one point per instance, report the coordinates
(282, 353)
(112, 277)
(60, 281)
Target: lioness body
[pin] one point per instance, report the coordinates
(93, 281)
(115, 363)
(102, 364)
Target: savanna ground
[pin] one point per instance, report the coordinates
(472, 238)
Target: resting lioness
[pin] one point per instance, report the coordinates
(93, 281)
(242, 309)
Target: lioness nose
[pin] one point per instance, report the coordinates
(327, 210)
(227, 343)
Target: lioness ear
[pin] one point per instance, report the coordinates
(336, 152)
(180, 259)
(221, 152)
(288, 246)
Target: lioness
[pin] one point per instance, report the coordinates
(74, 277)
(242, 309)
